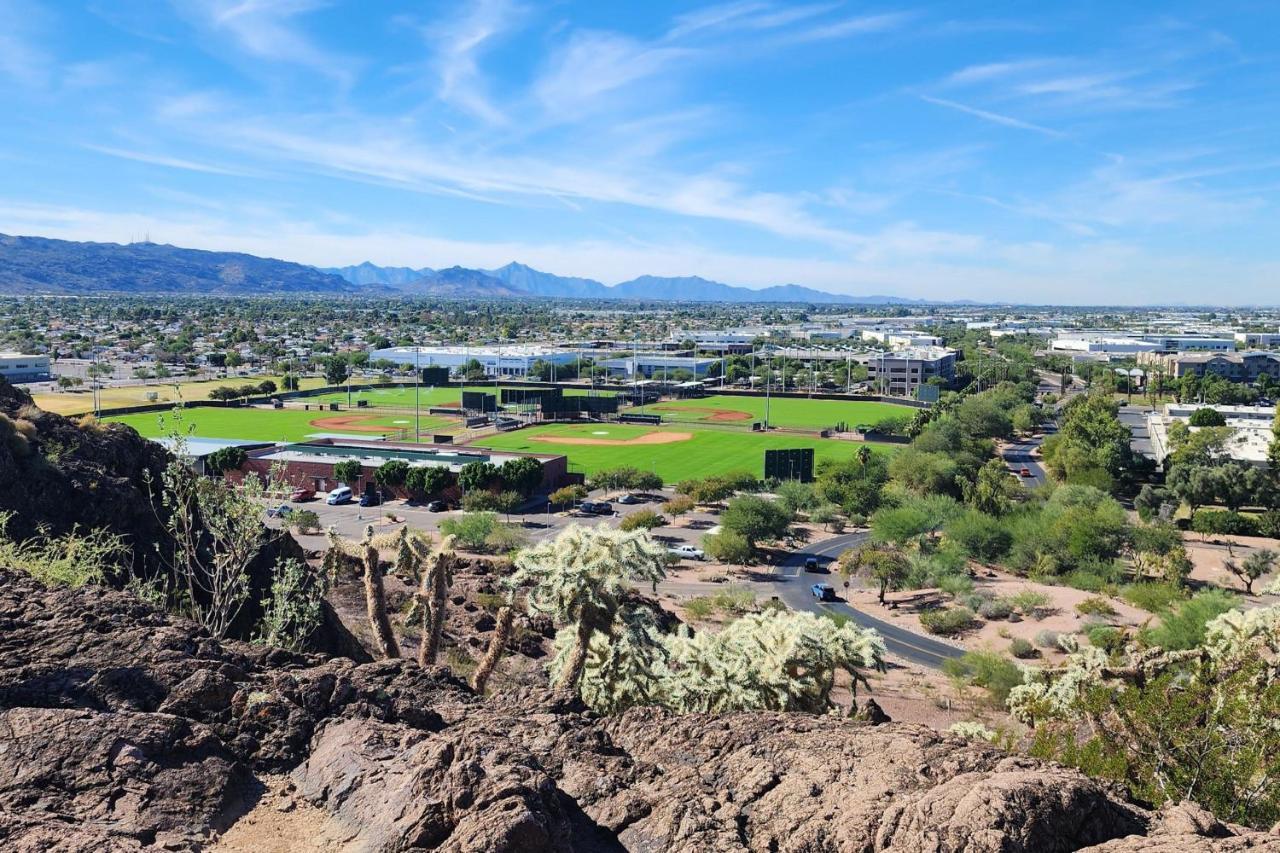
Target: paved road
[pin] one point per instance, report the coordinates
(1018, 455)
(1135, 418)
(794, 591)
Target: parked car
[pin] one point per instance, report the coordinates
(596, 507)
(370, 499)
(282, 511)
(437, 506)
(300, 495)
(687, 552)
(340, 495)
(823, 591)
(630, 499)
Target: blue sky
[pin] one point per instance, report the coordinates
(1080, 152)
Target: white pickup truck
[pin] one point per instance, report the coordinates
(687, 552)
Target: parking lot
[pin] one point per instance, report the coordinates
(351, 519)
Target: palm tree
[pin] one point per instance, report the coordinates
(581, 579)
(864, 455)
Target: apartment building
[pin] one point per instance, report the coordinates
(514, 360)
(1232, 366)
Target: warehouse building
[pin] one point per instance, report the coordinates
(658, 366)
(508, 361)
(17, 367)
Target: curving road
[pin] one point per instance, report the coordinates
(794, 591)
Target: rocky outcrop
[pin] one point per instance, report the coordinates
(123, 729)
(60, 473)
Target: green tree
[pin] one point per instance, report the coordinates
(336, 369)
(1207, 417)
(478, 475)
(887, 567)
(422, 481)
(225, 459)
(755, 518)
(522, 474)
(1254, 566)
(347, 471)
(392, 473)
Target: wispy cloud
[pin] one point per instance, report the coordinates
(171, 162)
(993, 117)
(595, 66)
(22, 59)
(270, 30)
(854, 26)
(459, 43)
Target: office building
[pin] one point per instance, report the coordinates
(511, 361)
(17, 367)
(903, 371)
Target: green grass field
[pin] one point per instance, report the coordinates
(396, 397)
(267, 424)
(785, 412)
(709, 451)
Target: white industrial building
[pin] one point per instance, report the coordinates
(1250, 426)
(18, 367)
(657, 365)
(1261, 340)
(514, 360)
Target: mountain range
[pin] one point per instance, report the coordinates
(40, 265)
(516, 279)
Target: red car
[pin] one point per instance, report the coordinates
(1026, 472)
(299, 495)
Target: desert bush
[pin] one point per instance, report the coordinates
(295, 608)
(1182, 625)
(996, 608)
(1047, 639)
(1095, 606)
(728, 547)
(1029, 602)
(947, 622)
(304, 520)
(1022, 649)
(72, 559)
(645, 519)
(989, 670)
(1106, 637)
(1152, 596)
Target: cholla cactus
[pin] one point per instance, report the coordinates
(375, 598)
(973, 730)
(1244, 633)
(581, 578)
(771, 661)
(433, 594)
(624, 668)
(497, 644)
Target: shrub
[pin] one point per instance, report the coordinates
(679, 505)
(1182, 627)
(1086, 581)
(294, 609)
(480, 500)
(471, 530)
(1105, 637)
(304, 520)
(728, 547)
(955, 585)
(1269, 524)
(567, 496)
(989, 670)
(1047, 639)
(699, 607)
(1028, 602)
(1219, 522)
(645, 519)
(996, 608)
(72, 559)
(1152, 596)
(1095, 607)
(947, 622)
(1023, 650)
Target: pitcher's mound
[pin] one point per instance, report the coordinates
(647, 438)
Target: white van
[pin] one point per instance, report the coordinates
(340, 495)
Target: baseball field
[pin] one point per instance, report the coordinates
(784, 412)
(674, 453)
(276, 424)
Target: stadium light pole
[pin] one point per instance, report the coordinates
(417, 383)
(768, 379)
